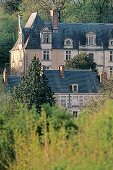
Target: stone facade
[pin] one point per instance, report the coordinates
(54, 44)
(75, 102)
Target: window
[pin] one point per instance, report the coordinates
(45, 67)
(63, 101)
(68, 42)
(75, 114)
(46, 55)
(91, 38)
(75, 101)
(111, 42)
(111, 71)
(90, 41)
(46, 38)
(91, 55)
(111, 55)
(74, 87)
(68, 55)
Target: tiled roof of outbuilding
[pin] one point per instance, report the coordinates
(87, 81)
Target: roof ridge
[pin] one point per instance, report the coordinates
(31, 19)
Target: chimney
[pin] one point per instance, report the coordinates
(5, 76)
(54, 18)
(61, 70)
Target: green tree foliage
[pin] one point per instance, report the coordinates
(7, 153)
(11, 6)
(33, 88)
(8, 35)
(56, 118)
(90, 148)
(85, 142)
(81, 61)
(107, 86)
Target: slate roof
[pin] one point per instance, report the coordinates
(76, 31)
(13, 80)
(87, 81)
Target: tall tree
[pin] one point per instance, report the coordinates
(33, 88)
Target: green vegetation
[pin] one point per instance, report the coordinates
(33, 88)
(75, 11)
(81, 61)
(53, 140)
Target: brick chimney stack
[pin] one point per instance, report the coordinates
(61, 70)
(54, 18)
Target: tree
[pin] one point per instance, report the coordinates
(11, 6)
(8, 35)
(33, 88)
(81, 61)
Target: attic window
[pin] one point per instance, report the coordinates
(111, 42)
(74, 87)
(91, 38)
(46, 36)
(68, 42)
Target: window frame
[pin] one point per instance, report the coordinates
(67, 55)
(75, 114)
(111, 71)
(91, 39)
(46, 38)
(46, 55)
(73, 87)
(111, 56)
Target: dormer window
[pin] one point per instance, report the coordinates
(68, 43)
(46, 36)
(111, 42)
(74, 87)
(91, 38)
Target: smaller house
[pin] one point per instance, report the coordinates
(72, 88)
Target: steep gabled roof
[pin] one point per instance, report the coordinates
(32, 30)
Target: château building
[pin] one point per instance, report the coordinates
(55, 42)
